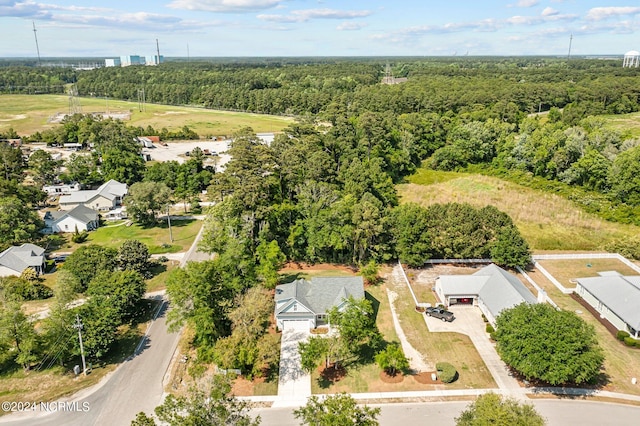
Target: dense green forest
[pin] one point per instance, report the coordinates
(324, 190)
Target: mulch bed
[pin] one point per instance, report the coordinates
(424, 377)
(387, 378)
(332, 374)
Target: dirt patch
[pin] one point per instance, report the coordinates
(244, 387)
(318, 267)
(388, 378)
(425, 378)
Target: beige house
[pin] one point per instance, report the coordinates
(107, 197)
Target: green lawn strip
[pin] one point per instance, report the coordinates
(160, 274)
(627, 124)
(156, 238)
(621, 362)
(30, 113)
(454, 348)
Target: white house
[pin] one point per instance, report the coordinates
(303, 301)
(615, 297)
(15, 259)
(108, 196)
(492, 289)
(80, 217)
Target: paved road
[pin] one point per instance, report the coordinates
(557, 413)
(135, 386)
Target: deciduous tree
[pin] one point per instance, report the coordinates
(543, 343)
(494, 410)
(336, 410)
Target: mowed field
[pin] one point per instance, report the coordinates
(547, 221)
(625, 123)
(27, 114)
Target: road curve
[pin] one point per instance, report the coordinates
(135, 386)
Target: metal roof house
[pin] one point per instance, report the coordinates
(15, 259)
(80, 217)
(615, 297)
(108, 196)
(491, 288)
(309, 301)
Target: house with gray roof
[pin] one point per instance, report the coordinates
(309, 301)
(615, 297)
(491, 288)
(15, 259)
(108, 196)
(80, 217)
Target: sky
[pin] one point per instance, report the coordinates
(221, 28)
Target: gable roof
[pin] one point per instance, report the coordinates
(80, 212)
(19, 258)
(497, 288)
(320, 294)
(621, 294)
(109, 190)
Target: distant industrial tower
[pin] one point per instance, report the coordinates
(36, 37)
(570, 40)
(74, 102)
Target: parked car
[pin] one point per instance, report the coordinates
(441, 313)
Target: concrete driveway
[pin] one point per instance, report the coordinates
(469, 321)
(294, 384)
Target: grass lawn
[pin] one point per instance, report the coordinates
(627, 124)
(156, 238)
(452, 347)
(160, 274)
(621, 362)
(547, 221)
(30, 113)
(564, 270)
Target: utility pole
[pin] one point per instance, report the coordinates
(78, 326)
(570, 40)
(36, 37)
(169, 222)
(158, 49)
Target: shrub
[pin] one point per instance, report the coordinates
(490, 328)
(163, 259)
(630, 341)
(621, 335)
(79, 237)
(484, 318)
(446, 372)
(492, 336)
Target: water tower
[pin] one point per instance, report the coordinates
(631, 59)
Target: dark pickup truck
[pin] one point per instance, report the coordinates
(444, 315)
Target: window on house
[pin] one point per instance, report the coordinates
(66, 227)
(295, 307)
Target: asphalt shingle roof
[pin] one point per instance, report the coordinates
(321, 294)
(19, 258)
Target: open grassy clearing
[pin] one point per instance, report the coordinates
(160, 274)
(621, 362)
(627, 124)
(547, 221)
(565, 270)
(156, 238)
(30, 113)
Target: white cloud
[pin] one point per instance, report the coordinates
(549, 11)
(599, 13)
(350, 26)
(224, 5)
(309, 14)
(527, 3)
(23, 10)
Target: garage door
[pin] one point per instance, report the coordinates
(296, 325)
